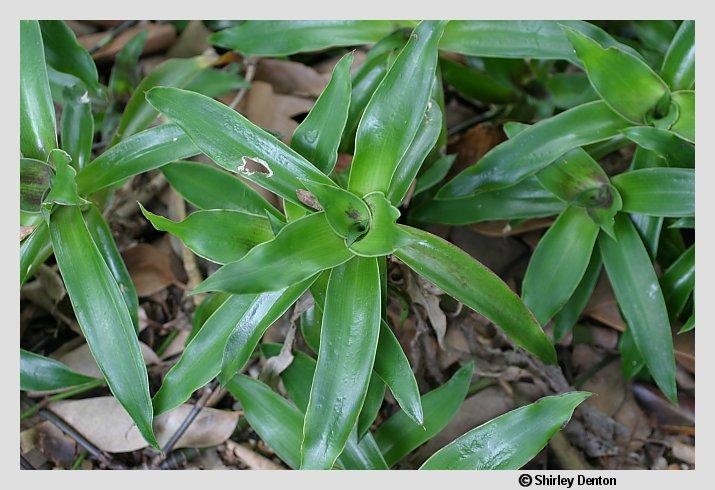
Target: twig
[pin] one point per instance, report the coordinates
(129, 206)
(25, 464)
(169, 446)
(111, 34)
(80, 439)
(250, 73)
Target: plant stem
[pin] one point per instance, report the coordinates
(61, 396)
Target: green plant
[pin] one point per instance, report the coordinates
(336, 230)
(550, 168)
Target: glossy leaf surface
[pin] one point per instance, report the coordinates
(658, 191)
(399, 435)
(301, 249)
(37, 112)
(558, 263)
(509, 441)
(102, 315)
(678, 68)
(66, 55)
(348, 342)
(534, 148)
(219, 235)
(468, 281)
(40, 373)
(395, 111)
(236, 144)
(639, 296)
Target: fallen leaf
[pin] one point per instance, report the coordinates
(291, 77)
(250, 458)
(149, 268)
(51, 442)
(603, 306)
(272, 111)
(192, 41)
(81, 360)
(684, 452)
(684, 345)
(159, 37)
(107, 425)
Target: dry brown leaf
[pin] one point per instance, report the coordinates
(684, 345)
(177, 345)
(603, 307)
(26, 230)
(106, 424)
(192, 42)
(472, 145)
(684, 452)
(149, 268)
(291, 77)
(251, 458)
(81, 360)
(425, 297)
(51, 442)
(272, 111)
(159, 37)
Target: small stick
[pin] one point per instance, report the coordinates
(81, 440)
(250, 73)
(169, 446)
(25, 464)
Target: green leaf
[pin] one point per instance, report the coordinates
(215, 83)
(395, 111)
(348, 342)
(139, 114)
(262, 313)
(371, 407)
(687, 222)
(124, 76)
(302, 248)
(675, 151)
(317, 138)
(236, 144)
(297, 378)
(384, 236)
(203, 312)
(77, 125)
(34, 250)
(274, 38)
(433, 175)
(103, 239)
(568, 90)
(366, 79)
(219, 235)
(655, 34)
(35, 178)
(411, 162)
(678, 282)
(208, 187)
(476, 85)
(559, 263)
(688, 325)
(66, 55)
(64, 186)
(625, 82)
(527, 199)
(678, 68)
(468, 281)
(684, 126)
(640, 299)
(392, 366)
(347, 214)
(37, 112)
(566, 318)
(631, 359)
(534, 148)
(201, 360)
(40, 373)
(579, 180)
(399, 435)
(511, 440)
(102, 315)
(136, 154)
(537, 39)
(277, 421)
(657, 191)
